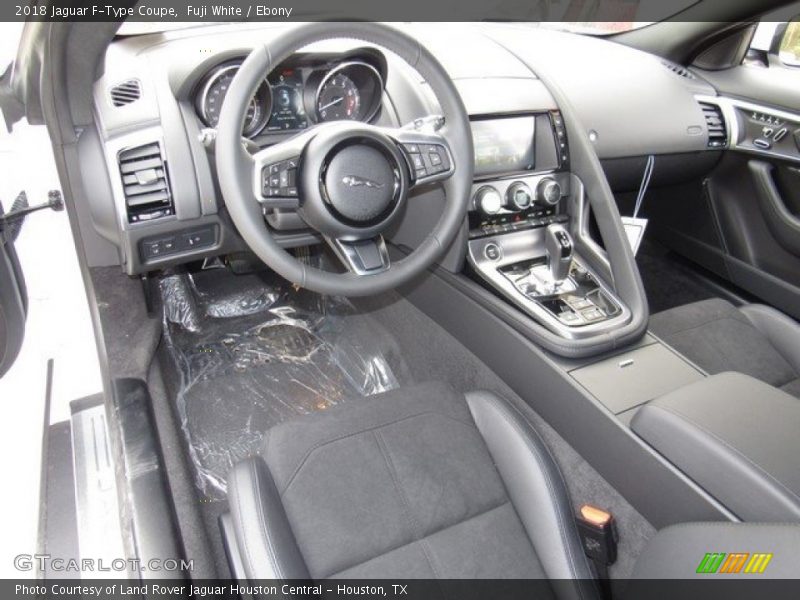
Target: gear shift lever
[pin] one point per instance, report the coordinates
(558, 245)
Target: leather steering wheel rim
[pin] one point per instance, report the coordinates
(234, 164)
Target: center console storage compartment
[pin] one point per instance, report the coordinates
(737, 438)
(627, 380)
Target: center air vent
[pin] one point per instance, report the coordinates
(715, 123)
(126, 92)
(679, 70)
(145, 183)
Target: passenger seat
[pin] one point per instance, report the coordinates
(753, 339)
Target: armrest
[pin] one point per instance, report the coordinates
(736, 437)
(679, 551)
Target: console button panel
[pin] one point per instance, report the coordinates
(508, 223)
(509, 217)
(560, 131)
(580, 301)
(767, 132)
(199, 238)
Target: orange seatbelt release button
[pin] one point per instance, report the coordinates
(598, 532)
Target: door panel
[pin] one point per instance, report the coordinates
(783, 224)
(755, 259)
(753, 195)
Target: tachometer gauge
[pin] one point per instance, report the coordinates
(338, 99)
(349, 91)
(213, 95)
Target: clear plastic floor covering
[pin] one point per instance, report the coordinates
(251, 354)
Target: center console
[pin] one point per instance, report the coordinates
(736, 437)
(525, 211)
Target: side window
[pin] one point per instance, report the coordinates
(789, 47)
(776, 43)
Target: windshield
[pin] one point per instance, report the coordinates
(585, 27)
(613, 16)
(145, 27)
(596, 27)
(576, 16)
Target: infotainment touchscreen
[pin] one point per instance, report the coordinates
(503, 145)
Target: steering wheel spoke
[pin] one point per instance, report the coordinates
(362, 257)
(428, 154)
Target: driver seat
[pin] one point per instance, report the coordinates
(420, 482)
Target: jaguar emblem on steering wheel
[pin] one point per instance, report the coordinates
(356, 181)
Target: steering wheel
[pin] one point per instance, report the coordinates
(348, 181)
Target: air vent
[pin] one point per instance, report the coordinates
(715, 123)
(145, 182)
(679, 70)
(126, 92)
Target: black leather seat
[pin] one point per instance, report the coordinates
(421, 482)
(424, 483)
(753, 339)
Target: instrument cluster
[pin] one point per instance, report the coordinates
(299, 93)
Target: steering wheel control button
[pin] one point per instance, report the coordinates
(492, 252)
(437, 159)
(280, 179)
(427, 160)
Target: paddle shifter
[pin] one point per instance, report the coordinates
(558, 245)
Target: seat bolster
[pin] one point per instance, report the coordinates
(782, 331)
(534, 484)
(264, 537)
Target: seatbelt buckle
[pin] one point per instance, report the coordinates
(598, 532)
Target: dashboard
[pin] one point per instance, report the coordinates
(306, 90)
(160, 96)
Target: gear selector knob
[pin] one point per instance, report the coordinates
(558, 245)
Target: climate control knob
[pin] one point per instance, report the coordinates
(488, 200)
(548, 191)
(518, 196)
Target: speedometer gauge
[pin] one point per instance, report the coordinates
(338, 99)
(213, 95)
